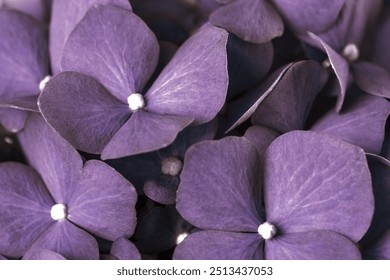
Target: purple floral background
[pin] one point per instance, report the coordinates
(194, 129)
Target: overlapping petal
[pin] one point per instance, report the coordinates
(123, 249)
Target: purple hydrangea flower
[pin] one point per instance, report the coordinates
(317, 199)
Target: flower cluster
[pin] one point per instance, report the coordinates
(208, 129)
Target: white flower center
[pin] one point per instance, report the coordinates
(267, 230)
(43, 83)
(181, 237)
(136, 101)
(171, 166)
(326, 63)
(351, 52)
(58, 212)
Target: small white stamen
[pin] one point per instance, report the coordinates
(8, 140)
(43, 83)
(326, 63)
(181, 237)
(267, 230)
(351, 52)
(136, 101)
(58, 212)
(171, 166)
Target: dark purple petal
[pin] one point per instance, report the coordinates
(287, 106)
(162, 190)
(195, 81)
(82, 111)
(24, 208)
(316, 182)
(42, 254)
(242, 108)
(217, 183)
(380, 250)
(361, 123)
(309, 15)
(65, 16)
(381, 44)
(54, 158)
(103, 202)
(97, 47)
(2, 258)
(311, 245)
(69, 241)
(123, 249)
(220, 245)
(13, 119)
(255, 21)
(261, 137)
(144, 132)
(340, 67)
(28, 103)
(372, 78)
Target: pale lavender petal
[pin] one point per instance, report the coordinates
(316, 182)
(254, 21)
(372, 78)
(311, 245)
(220, 245)
(82, 111)
(287, 106)
(123, 249)
(361, 123)
(97, 47)
(217, 183)
(195, 82)
(24, 208)
(54, 158)
(65, 16)
(42, 254)
(69, 241)
(144, 132)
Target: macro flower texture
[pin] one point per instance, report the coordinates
(187, 130)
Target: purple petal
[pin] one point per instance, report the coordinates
(115, 204)
(97, 47)
(13, 119)
(381, 44)
(361, 123)
(2, 258)
(217, 183)
(381, 249)
(24, 208)
(220, 245)
(340, 67)
(42, 254)
(311, 245)
(195, 81)
(372, 78)
(39, 9)
(255, 21)
(162, 190)
(54, 158)
(309, 15)
(286, 108)
(261, 137)
(144, 132)
(65, 16)
(316, 182)
(23, 58)
(28, 103)
(69, 241)
(123, 249)
(82, 111)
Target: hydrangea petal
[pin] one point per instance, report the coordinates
(144, 132)
(123, 249)
(311, 245)
(108, 212)
(217, 184)
(24, 208)
(69, 241)
(162, 190)
(97, 47)
(28, 103)
(287, 107)
(195, 81)
(340, 67)
(54, 158)
(380, 43)
(38, 9)
(362, 122)
(255, 21)
(316, 182)
(261, 137)
(309, 15)
(372, 78)
(13, 119)
(42, 254)
(65, 16)
(220, 245)
(82, 111)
